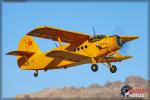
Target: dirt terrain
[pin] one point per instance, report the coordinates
(94, 91)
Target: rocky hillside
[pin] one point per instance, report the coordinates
(109, 90)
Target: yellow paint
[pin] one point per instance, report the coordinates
(60, 43)
(39, 60)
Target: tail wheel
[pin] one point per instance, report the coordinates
(94, 67)
(65, 67)
(113, 69)
(45, 70)
(36, 74)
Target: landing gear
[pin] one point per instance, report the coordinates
(113, 69)
(36, 73)
(45, 70)
(65, 67)
(94, 67)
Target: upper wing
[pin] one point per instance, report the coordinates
(54, 33)
(128, 38)
(65, 55)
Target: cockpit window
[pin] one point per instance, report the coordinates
(101, 36)
(96, 38)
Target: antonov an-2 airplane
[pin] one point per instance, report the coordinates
(79, 49)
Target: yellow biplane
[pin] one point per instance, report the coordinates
(79, 49)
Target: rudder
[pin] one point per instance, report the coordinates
(28, 44)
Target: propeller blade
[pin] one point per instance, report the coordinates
(128, 38)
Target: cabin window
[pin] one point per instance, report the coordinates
(85, 46)
(81, 47)
(78, 49)
(96, 38)
(74, 50)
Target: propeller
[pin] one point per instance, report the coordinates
(126, 47)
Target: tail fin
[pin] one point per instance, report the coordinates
(26, 48)
(28, 44)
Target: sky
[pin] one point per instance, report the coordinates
(110, 18)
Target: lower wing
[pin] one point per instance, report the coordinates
(76, 59)
(112, 59)
(65, 55)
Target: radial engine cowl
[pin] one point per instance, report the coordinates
(119, 42)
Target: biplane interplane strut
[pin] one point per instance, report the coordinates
(79, 48)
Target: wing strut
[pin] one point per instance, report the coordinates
(60, 43)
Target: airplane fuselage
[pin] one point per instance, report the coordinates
(92, 49)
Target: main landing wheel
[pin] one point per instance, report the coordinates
(94, 67)
(113, 69)
(36, 74)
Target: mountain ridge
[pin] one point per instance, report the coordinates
(108, 90)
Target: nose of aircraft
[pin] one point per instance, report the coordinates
(119, 41)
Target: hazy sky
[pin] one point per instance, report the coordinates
(108, 18)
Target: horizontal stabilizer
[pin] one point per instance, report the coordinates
(20, 53)
(65, 55)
